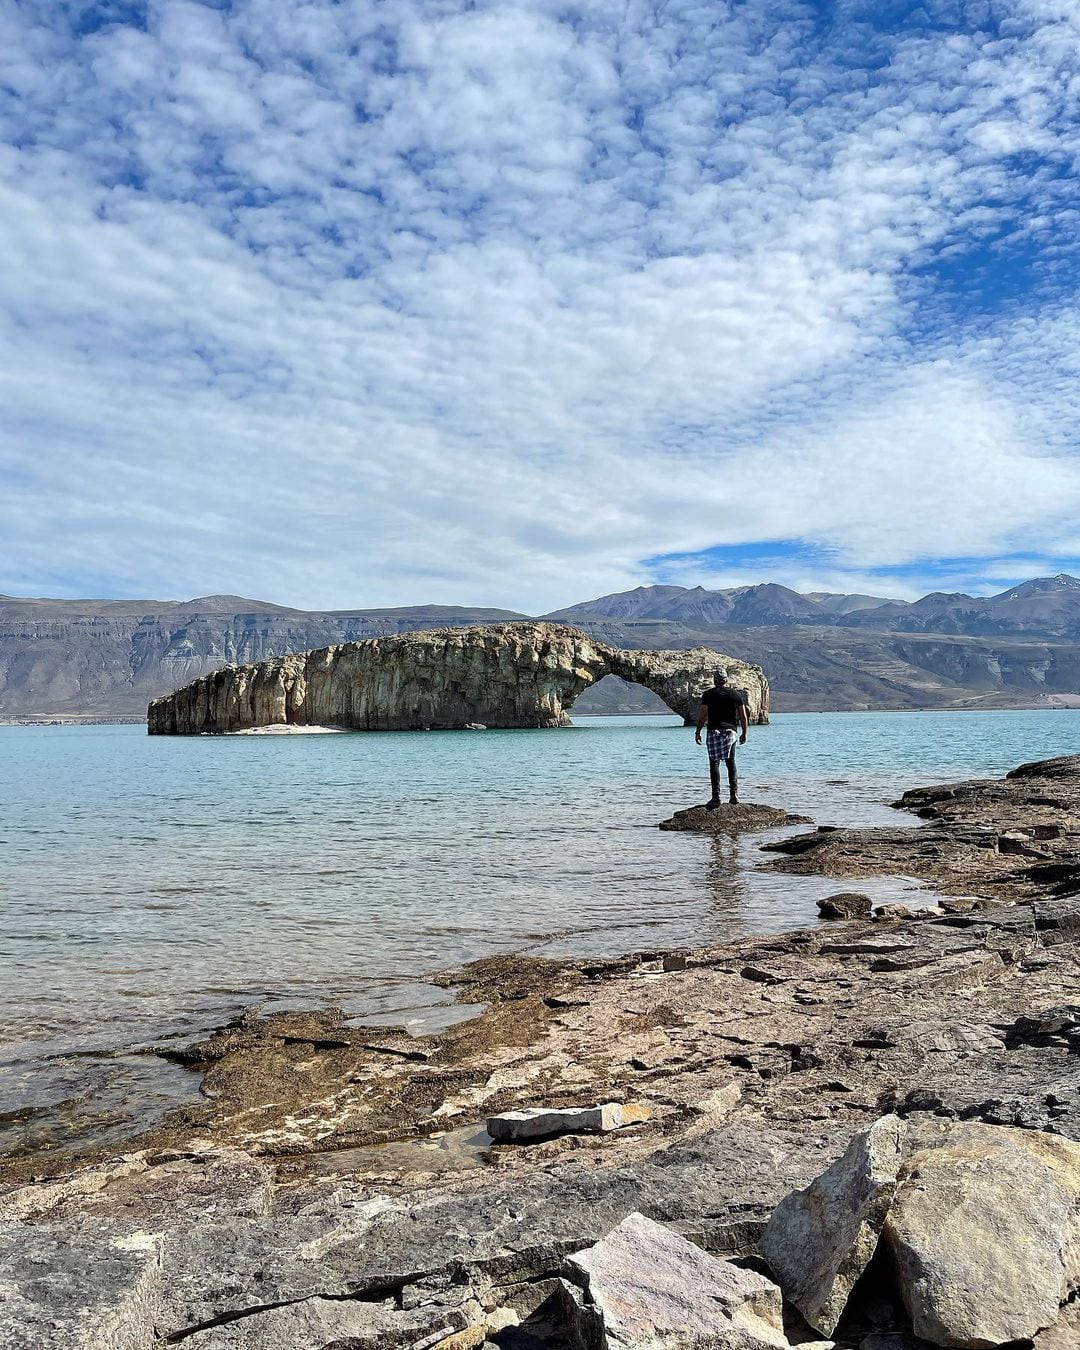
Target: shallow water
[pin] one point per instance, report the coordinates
(152, 886)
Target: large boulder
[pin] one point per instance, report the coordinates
(845, 905)
(648, 1287)
(984, 1234)
(820, 1240)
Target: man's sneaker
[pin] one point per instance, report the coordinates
(733, 802)
(712, 803)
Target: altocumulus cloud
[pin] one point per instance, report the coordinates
(513, 302)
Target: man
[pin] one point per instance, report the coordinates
(725, 711)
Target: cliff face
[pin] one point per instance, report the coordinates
(498, 675)
(109, 657)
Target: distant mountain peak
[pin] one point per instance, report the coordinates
(1041, 586)
(228, 604)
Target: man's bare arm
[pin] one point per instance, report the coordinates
(702, 718)
(745, 721)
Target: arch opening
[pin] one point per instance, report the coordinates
(613, 696)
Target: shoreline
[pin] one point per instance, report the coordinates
(1069, 703)
(339, 1162)
(964, 844)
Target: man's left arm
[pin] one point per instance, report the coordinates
(744, 721)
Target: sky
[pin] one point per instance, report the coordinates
(514, 304)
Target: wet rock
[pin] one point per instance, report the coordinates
(651, 1288)
(541, 1122)
(820, 1240)
(1065, 767)
(728, 818)
(845, 905)
(895, 911)
(983, 1234)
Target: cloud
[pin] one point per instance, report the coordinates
(508, 302)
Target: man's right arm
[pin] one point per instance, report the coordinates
(702, 718)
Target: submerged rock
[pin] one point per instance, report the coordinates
(648, 1287)
(728, 818)
(820, 1240)
(494, 675)
(983, 1234)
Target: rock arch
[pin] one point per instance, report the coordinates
(497, 675)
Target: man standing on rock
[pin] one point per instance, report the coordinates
(725, 711)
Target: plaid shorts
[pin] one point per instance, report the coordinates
(721, 744)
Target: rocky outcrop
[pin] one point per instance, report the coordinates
(497, 675)
(1011, 838)
(730, 818)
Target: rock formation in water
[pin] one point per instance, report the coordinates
(499, 675)
(105, 659)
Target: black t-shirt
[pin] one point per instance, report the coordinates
(723, 705)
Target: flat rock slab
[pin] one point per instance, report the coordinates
(540, 1122)
(728, 819)
(650, 1287)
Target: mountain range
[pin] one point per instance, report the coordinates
(1043, 607)
(821, 650)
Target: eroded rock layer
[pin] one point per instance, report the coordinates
(499, 675)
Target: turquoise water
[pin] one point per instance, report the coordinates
(153, 886)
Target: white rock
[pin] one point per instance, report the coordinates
(820, 1240)
(538, 1122)
(654, 1290)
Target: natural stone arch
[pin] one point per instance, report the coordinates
(496, 675)
(679, 677)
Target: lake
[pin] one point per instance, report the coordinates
(153, 886)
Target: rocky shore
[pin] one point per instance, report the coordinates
(338, 1188)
